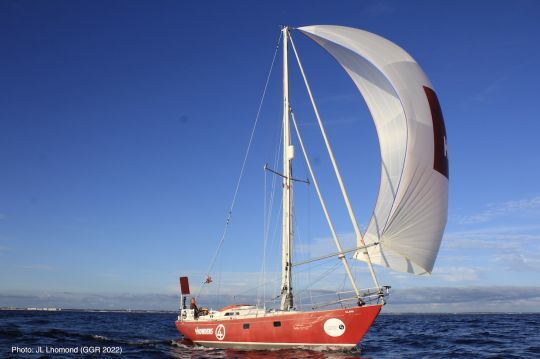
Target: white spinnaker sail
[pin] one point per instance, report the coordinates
(411, 210)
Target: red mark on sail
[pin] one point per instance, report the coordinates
(440, 158)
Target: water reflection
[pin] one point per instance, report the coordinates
(186, 349)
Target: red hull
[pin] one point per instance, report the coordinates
(332, 329)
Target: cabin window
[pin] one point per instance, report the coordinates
(228, 314)
(246, 326)
(277, 324)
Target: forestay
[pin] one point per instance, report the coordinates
(411, 209)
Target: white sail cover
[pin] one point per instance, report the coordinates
(411, 209)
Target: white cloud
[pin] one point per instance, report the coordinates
(456, 274)
(465, 294)
(508, 248)
(39, 267)
(487, 92)
(323, 246)
(519, 261)
(494, 237)
(495, 210)
(378, 8)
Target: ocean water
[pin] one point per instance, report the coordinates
(153, 335)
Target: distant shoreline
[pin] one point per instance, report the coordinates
(55, 310)
(139, 311)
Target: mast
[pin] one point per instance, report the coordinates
(288, 155)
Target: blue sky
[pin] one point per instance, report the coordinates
(123, 126)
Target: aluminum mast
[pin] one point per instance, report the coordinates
(288, 155)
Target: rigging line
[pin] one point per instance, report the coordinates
(243, 165)
(273, 239)
(268, 216)
(252, 289)
(323, 205)
(301, 271)
(319, 278)
(262, 275)
(272, 229)
(336, 170)
(273, 187)
(334, 254)
(309, 236)
(275, 280)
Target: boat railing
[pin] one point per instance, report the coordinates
(348, 298)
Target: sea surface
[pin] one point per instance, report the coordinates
(153, 335)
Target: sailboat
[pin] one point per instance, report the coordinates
(407, 224)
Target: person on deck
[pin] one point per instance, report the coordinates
(193, 305)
